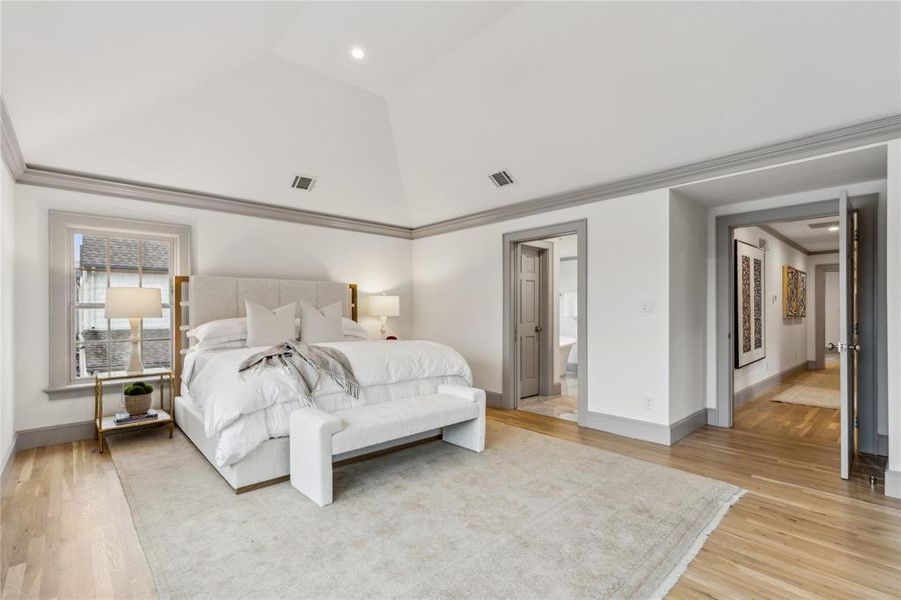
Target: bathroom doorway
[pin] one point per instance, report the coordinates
(543, 346)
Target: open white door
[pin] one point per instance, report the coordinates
(847, 346)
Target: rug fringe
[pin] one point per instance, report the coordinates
(670, 580)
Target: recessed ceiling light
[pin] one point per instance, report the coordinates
(833, 228)
(358, 53)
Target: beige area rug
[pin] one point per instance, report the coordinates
(531, 517)
(812, 388)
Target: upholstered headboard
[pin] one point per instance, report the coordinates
(213, 297)
(203, 298)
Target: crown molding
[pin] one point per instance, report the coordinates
(784, 239)
(12, 153)
(859, 134)
(136, 190)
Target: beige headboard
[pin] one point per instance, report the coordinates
(204, 298)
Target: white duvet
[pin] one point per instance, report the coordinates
(244, 410)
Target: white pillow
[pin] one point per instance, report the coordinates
(353, 330)
(320, 324)
(218, 344)
(267, 327)
(221, 330)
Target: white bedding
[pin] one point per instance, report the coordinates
(246, 410)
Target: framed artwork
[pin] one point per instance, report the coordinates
(750, 312)
(794, 293)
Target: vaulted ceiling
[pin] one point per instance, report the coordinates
(236, 98)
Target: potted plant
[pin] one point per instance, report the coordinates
(137, 397)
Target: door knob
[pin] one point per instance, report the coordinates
(830, 346)
(538, 329)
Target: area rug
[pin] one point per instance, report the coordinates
(812, 388)
(531, 517)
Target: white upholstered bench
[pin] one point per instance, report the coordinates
(316, 436)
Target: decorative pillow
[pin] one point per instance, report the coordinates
(267, 327)
(353, 330)
(221, 330)
(320, 324)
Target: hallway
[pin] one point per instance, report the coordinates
(780, 411)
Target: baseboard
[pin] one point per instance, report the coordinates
(893, 483)
(882, 444)
(494, 399)
(711, 417)
(631, 428)
(811, 365)
(683, 427)
(572, 368)
(55, 434)
(761, 387)
(7, 459)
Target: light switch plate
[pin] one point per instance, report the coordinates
(646, 307)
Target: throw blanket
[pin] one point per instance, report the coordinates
(308, 363)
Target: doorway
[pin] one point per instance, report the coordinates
(860, 353)
(545, 344)
(779, 386)
(546, 305)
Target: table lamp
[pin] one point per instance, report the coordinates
(383, 307)
(134, 304)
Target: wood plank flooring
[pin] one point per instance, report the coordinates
(800, 531)
(810, 423)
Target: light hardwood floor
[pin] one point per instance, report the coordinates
(800, 531)
(810, 423)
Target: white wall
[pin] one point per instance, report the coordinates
(831, 307)
(222, 244)
(7, 319)
(786, 339)
(458, 300)
(687, 311)
(568, 283)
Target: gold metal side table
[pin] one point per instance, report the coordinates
(107, 425)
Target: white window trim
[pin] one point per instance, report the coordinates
(63, 226)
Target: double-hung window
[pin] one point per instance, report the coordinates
(89, 255)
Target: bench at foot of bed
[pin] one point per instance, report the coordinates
(316, 436)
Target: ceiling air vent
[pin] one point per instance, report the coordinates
(301, 182)
(823, 225)
(501, 178)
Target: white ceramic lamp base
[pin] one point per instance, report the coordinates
(135, 364)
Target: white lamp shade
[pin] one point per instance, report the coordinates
(133, 303)
(384, 306)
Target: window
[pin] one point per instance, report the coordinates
(90, 254)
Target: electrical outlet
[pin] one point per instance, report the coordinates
(648, 403)
(646, 307)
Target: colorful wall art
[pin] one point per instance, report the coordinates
(794, 293)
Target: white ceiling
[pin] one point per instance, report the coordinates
(236, 98)
(400, 39)
(840, 169)
(813, 240)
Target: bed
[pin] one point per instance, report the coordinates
(240, 424)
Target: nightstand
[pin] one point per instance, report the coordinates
(107, 425)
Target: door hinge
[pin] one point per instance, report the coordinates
(857, 329)
(856, 235)
(856, 422)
